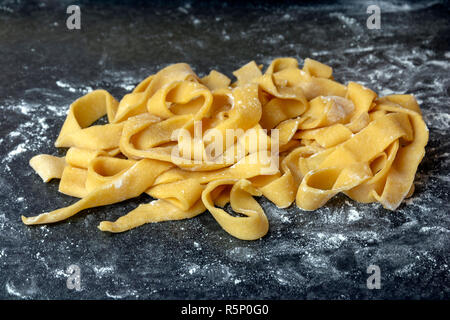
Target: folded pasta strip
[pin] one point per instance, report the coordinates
(196, 144)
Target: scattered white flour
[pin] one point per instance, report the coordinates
(315, 260)
(30, 135)
(350, 22)
(122, 294)
(438, 120)
(60, 273)
(434, 229)
(286, 17)
(241, 254)
(25, 293)
(19, 149)
(193, 268)
(13, 291)
(65, 85)
(280, 214)
(6, 9)
(128, 87)
(331, 241)
(3, 220)
(197, 245)
(353, 215)
(58, 111)
(183, 10)
(102, 271)
(71, 88)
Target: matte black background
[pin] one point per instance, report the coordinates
(306, 255)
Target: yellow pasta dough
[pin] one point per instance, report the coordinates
(196, 144)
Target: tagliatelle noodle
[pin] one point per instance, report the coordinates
(196, 144)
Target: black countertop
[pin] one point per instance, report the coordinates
(321, 254)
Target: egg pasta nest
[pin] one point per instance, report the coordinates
(331, 138)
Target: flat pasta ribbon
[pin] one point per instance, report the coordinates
(197, 144)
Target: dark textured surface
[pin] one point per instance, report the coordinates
(320, 254)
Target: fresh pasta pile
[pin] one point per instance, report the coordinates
(296, 136)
